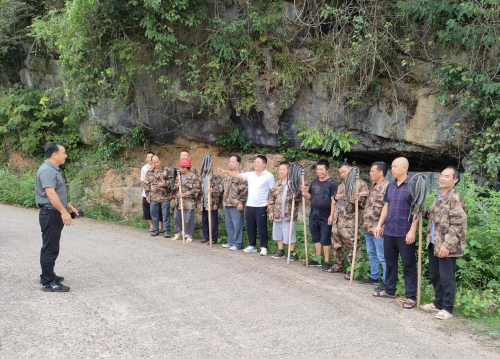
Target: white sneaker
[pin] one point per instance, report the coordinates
(234, 248)
(176, 237)
(226, 245)
(250, 249)
(189, 239)
(263, 251)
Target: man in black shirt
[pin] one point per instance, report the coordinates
(322, 195)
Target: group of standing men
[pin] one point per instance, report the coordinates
(389, 227)
(163, 185)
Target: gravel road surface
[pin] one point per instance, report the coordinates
(136, 296)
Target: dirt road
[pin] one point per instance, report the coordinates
(136, 296)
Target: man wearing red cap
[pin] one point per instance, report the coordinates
(190, 192)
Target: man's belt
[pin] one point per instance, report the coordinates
(45, 206)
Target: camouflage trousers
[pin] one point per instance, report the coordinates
(343, 237)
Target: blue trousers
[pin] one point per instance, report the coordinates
(234, 226)
(375, 249)
(155, 214)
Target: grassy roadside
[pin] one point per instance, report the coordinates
(17, 187)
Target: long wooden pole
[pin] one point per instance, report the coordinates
(182, 211)
(419, 285)
(304, 220)
(291, 227)
(356, 224)
(209, 209)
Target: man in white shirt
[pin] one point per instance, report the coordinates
(146, 212)
(260, 183)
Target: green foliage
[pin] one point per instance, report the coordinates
(29, 118)
(110, 144)
(234, 140)
(478, 271)
(15, 16)
(472, 83)
(136, 136)
(291, 154)
(100, 42)
(17, 187)
(326, 139)
(103, 212)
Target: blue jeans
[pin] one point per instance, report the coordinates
(165, 211)
(234, 226)
(375, 249)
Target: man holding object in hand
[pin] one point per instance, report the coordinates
(399, 235)
(52, 199)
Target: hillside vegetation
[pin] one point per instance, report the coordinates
(211, 52)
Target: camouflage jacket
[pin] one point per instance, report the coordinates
(191, 189)
(344, 217)
(217, 191)
(275, 202)
(450, 223)
(235, 191)
(153, 176)
(373, 207)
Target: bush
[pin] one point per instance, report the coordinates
(30, 118)
(17, 188)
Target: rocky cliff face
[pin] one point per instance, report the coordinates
(388, 123)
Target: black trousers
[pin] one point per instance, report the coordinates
(442, 275)
(393, 247)
(256, 218)
(215, 224)
(51, 225)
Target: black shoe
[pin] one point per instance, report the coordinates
(166, 235)
(292, 256)
(55, 287)
(369, 281)
(155, 233)
(279, 254)
(204, 241)
(313, 264)
(380, 288)
(56, 278)
(325, 267)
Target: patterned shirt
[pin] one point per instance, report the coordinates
(235, 191)
(275, 199)
(217, 190)
(153, 176)
(191, 189)
(399, 202)
(449, 217)
(373, 208)
(344, 216)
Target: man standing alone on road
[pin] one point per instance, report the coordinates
(235, 195)
(371, 216)
(158, 188)
(260, 183)
(322, 195)
(399, 234)
(52, 199)
(446, 241)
